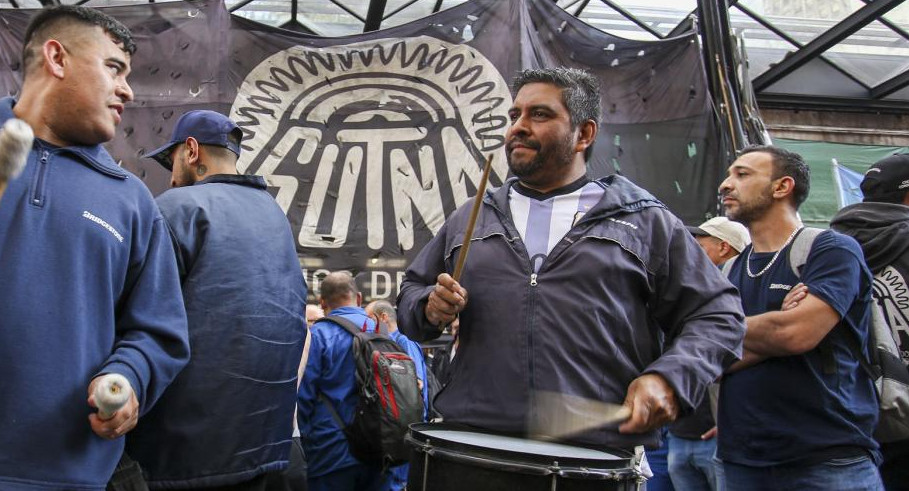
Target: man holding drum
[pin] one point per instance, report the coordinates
(589, 290)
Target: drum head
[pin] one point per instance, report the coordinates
(474, 439)
(448, 456)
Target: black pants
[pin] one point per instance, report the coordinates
(895, 469)
(128, 477)
(294, 477)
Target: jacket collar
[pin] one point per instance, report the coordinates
(257, 182)
(620, 196)
(93, 156)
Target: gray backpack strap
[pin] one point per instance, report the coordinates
(801, 246)
(798, 256)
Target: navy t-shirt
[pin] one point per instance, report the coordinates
(787, 409)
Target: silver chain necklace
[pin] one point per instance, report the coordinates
(773, 259)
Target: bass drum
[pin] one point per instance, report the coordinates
(458, 458)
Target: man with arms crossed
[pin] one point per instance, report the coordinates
(798, 411)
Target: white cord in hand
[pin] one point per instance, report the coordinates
(111, 392)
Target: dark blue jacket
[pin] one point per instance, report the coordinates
(228, 416)
(89, 285)
(625, 278)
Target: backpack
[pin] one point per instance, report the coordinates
(388, 398)
(885, 366)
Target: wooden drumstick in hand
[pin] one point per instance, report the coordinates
(112, 391)
(15, 142)
(558, 415)
(468, 233)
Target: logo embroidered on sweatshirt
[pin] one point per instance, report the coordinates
(112, 230)
(623, 222)
(780, 286)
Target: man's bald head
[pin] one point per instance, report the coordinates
(339, 289)
(383, 307)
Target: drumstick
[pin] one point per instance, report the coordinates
(111, 393)
(468, 233)
(15, 142)
(558, 415)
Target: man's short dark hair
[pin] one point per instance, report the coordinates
(580, 92)
(45, 24)
(338, 288)
(786, 163)
(380, 307)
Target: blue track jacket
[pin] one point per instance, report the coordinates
(89, 286)
(330, 371)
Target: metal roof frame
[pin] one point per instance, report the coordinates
(879, 95)
(848, 26)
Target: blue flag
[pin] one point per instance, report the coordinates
(848, 185)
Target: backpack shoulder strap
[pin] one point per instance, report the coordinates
(801, 246)
(798, 256)
(354, 331)
(348, 326)
(332, 410)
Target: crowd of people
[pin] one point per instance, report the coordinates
(587, 288)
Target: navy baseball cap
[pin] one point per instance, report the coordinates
(207, 127)
(887, 181)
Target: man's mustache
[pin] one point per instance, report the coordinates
(534, 145)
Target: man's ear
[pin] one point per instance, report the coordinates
(784, 186)
(192, 148)
(726, 250)
(359, 299)
(587, 133)
(54, 55)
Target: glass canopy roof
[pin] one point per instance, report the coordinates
(802, 53)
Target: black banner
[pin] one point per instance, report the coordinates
(368, 142)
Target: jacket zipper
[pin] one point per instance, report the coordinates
(530, 321)
(38, 197)
(508, 225)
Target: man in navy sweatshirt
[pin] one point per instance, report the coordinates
(88, 279)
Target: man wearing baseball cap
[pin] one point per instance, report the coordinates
(227, 419)
(721, 238)
(880, 224)
(691, 441)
